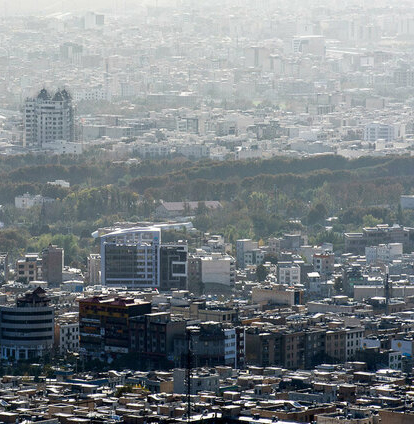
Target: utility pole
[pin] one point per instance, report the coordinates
(387, 291)
(189, 371)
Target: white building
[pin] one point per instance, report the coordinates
(60, 183)
(94, 268)
(381, 131)
(354, 337)
(91, 94)
(62, 147)
(27, 201)
(383, 253)
(288, 273)
(67, 335)
(48, 118)
(218, 269)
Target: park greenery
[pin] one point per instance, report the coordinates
(260, 198)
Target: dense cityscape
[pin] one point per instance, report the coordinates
(207, 212)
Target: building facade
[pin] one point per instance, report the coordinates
(135, 258)
(52, 264)
(27, 329)
(104, 325)
(48, 118)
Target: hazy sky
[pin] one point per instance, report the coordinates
(10, 7)
(45, 7)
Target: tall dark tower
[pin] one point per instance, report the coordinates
(387, 289)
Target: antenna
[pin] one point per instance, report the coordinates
(387, 288)
(189, 370)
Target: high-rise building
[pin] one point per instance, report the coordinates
(131, 258)
(104, 324)
(27, 329)
(94, 268)
(152, 338)
(52, 264)
(135, 258)
(4, 267)
(48, 119)
(173, 266)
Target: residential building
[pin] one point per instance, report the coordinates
(354, 337)
(27, 201)
(201, 381)
(67, 333)
(218, 269)
(254, 257)
(52, 265)
(323, 263)
(48, 118)
(27, 269)
(244, 246)
(94, 268)
(288, 273)
(152, 337)
(104, 325)
(384, 253)
(277, 294)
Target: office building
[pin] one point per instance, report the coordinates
(131, 258)
(135, 258)
(48, 118)
(173, 266)
(27, 329)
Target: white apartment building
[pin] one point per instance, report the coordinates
(48, 119)
(218, 269)
(94, 268)
(288, 273)
(381, 131)
(67, 335)
(383, 253)
(91, 94)
(354, 337)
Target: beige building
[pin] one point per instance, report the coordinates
(277, 294)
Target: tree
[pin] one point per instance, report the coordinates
(261, 273)
(317, 214)
(370, 221)
(271, 257)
